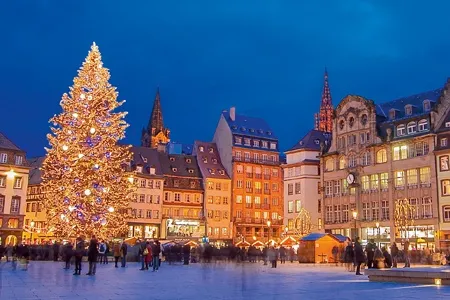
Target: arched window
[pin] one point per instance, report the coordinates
(352, 161)
(412, 127)
(401, 130)
(381, 156)
(423, 125)
(341, 163)
(329, 165)
(366, 159)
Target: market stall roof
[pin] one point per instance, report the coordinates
(341, 238)
(131, 241)
(316, 236)
(288, 241)
(258, 244)
(272, 242)
(243, 243)
(191, 243)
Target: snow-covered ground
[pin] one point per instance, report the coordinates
(48, 280)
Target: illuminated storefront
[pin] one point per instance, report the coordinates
(177, 228)
(420, 236)
(147, 231)
(381, 235)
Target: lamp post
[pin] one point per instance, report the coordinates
(268, 231)
(355, 215)
(378, 234)
(32, 228)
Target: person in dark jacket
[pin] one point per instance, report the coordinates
(359, 256)
(79, 251)
(394, 254)
(282, 252)
(123, 254)
(186, 253)
(387, 258)
(349, 257)
(92, 256)
(68, 252)
(55, 251)
(370, 252)
(156, 250)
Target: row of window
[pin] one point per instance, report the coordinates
(179, 183)
(18, 159)
(257, 201)
(34, 207)
(182, 212)
(15, 204)
(17, 182)
(290, 187)
(150, 199)
(13, 223)
(351, 121)
(412, 128)
(218, 186)
(258, 214)
(256, 157)
(179, 197)
(151, 184)
(398, 153)
(409, 109)
(256, 143)
(145, 214)
(218, 200)
(351, 140)
(297, 204)
(215, 231)
(217, 214)
(297, 223)
(257, 186)
(256, 172)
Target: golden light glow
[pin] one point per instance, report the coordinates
(11, 174)
(80, 199)
(377, 225)
(437, 281)
(355, 214)
(269, 223)
(32, 224)
(131, 179)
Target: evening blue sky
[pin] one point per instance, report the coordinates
(267, 58)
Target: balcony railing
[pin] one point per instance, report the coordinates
(249, 175)
(266, 176)
(261, 221)
(257, 161)
(248, 190)
(265, 206)
(267, 192)
(258, 191)
(258, 175)
(248, 205)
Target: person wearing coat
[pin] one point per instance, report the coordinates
(358, 255)
(92, 256)
(272, 255)
(394, 254)
(147, 254)
(79, 251)
(68, 252)
(116, 253)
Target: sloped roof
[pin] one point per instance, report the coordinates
(316, 236)
(312, 141)
(249, 126)
(209, 160)
(383, 109)
(35, 175)
(341, 237)
(7, 144)
(147, 158)
(181, 163)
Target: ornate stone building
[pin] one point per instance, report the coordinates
(249, 151)
(13, 191)
(324, 118)
(380, 163)
(155, 133)
(302, 210)
(146, 203)
(183, 216)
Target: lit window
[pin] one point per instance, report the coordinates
(273, 146)
(381, 156)
(237, 140)
(365, 183)
(446, 213)
(264, 144)
(255, 143)
(445, 185)
(401, 130)
(423, 125)
(412, 127)
(444, 142)
(341, 163)
(247, 142)
(399, 179)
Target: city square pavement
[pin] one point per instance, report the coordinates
(48, 280)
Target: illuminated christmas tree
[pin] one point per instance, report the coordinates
(84, 173)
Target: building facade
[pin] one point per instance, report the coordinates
(35, 226)
(379, 175)
(155, 134)
(183, 216)
(302, 203)
(217, 199)
(249, 151)
(146, 204)
(13, 191)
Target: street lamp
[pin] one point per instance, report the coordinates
(378, 233)
(32, 228)
(286, 229)
(355, 215)
(268, 231)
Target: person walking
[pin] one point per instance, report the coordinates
(56, 249)
(370, 252)
(156, 250)
(394, 254)
(79, 251)
(406, 252)
(359, 256)
(116, 253)
(92, 256)
(282, 255)
(142, 253)
(350, 257)
(147, 254)
(68, 252)
(123, 254)
(101, 251)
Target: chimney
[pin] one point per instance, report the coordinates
(161, 148)
(233, 113)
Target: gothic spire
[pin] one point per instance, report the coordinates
(156, 123)
(324, 119)
(326, 95)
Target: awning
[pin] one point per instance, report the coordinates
(289, 241)
(271, 242)
(242, 243)
(258, 244)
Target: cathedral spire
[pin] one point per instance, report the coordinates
(155, 133)
(324, 119)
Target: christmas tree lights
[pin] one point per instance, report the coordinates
(84, 174)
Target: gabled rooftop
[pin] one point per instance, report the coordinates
(35, 175)
(147, 158)
(248, 126)
(209, 160)
(179, 165)
(7, 144)
(312, 141)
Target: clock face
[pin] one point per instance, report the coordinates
(350, 178)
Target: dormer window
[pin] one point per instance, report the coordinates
(401, 130)
(172, 159)
(212, 171)
(201, 149)
(408, 109)
(144, 159)
(221, 172)
(211, 150)
(238, 140)
(273, 146)
(423, 125)
(317, 142)
(174, 169)
(152, 171)
(255, 143)
(412, 127)
(214, 160)
(191, 171)
(269, 133)
(252, 130)
(447, 124)
(426, 105)
(139, 169)
(234, 127)
(247, 142)
(392, 114)
(205, 160)
(261, 131)
(243, 129)
(188, 160)
(265, 144)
